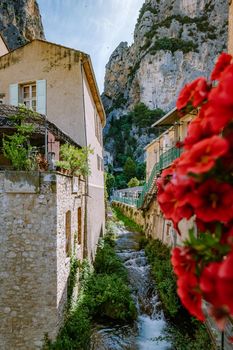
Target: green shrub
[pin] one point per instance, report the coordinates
(108, 296)
(130, 224)
(75, 159)
(17, 147)
(75, 334)
(159, 257)
(107, 262)
(104, 294)
(173, 44)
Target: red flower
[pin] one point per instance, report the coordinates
(182, 261)
(222, 94)
(174, 201)
(190, 295)
(216, 117)
(205, 226)
(198, 129)
(225, 282)
(203, 155)
(213, 201)
(208, 281)
(223, 61)
(195, 92)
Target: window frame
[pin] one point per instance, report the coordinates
(31, 98)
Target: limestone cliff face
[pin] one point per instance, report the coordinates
(175, 41)
(20, 21)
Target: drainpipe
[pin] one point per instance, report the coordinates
(85, 248)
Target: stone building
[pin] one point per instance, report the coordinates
(59, 82)
(47, 217)
(41, 227)
(160, 153)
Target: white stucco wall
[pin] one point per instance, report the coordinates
(95, 199)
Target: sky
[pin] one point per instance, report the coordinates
(93, 26)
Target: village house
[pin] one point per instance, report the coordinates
(160, 153)
(47, 217)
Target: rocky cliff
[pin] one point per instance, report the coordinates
(175, 41)
(20, 21)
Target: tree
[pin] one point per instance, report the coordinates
(144, 117)
(133, 182)
(75, 160)
(141, 171)
(130, 168)
(120, 181)
(110, 183)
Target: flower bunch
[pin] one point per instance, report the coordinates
(199, 185)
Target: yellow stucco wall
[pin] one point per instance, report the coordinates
(61, 68)
(166, 141)
(230, 37)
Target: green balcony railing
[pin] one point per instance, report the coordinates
(164, 161)
(167, 157)
(126, 200)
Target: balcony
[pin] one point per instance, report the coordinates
(168, 157)
(165, 160)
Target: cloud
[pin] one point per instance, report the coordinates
(96, 27)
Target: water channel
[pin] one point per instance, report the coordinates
(150, 325)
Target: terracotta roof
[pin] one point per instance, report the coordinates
(39, 120)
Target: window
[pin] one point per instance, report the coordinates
(100, 163)
(29, 96)
(68, 233)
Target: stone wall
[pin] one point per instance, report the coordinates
(131, 212)
(153, 222)
(34, 265)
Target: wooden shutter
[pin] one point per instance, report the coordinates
(41, 96)
(14, 94)
(79, 225)
(68, 233)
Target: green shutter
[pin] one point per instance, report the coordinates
(41, 96)
(14, 94)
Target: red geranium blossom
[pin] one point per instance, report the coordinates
(223, 61)
(174, 201)
(198, 129)
(190, 295)
(203, 155)
(208, 281)
(195, 92)
(182, 261)
(222, 94)
(225, 282)
(216, 117)
(213, 201)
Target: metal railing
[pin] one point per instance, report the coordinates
(167, 157)
(126, 200)
(165, 160)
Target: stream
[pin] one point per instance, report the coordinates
(150, 323)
